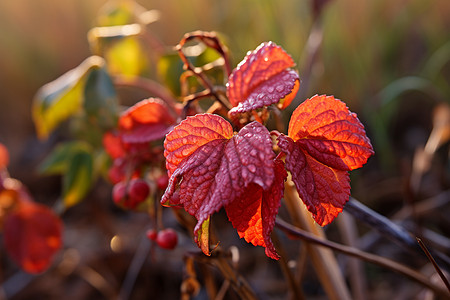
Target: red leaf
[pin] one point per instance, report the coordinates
(253, 214)
(262, 79)
(113, 145)
(4, 156)
(323, 189)
(325, 141)
(192, 133)
(211, 167)
(146, 121)
(32, 236)
(330, 133)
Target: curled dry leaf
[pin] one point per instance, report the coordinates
(211, 168)
(262, 78)
(325, 140)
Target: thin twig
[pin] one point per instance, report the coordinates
(218, 259)
(390, 229)
(294, 287)
(210, 40)
(433, 262)
(375, 259)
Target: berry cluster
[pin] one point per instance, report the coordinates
(165, 239)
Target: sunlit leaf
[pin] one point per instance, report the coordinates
(112, 143)
(78, 179)
(323, 189)
(325, 141)
(211, 167)
(190, 135)
(253, 214)
(4, 156)
(329, 132)
(261, 79)
(56, 101)
(32, 236)
(147, 120)
(126, 56)
(202, 237)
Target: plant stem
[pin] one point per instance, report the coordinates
(433, 262)
(381, 261)
(295, 288)
(218, 259)
(391, 230)
(323, 260)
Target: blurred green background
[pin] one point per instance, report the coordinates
(366, 46)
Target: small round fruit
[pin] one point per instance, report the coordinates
(138, 190)
(167, 239)
(162, 182)
(151, 234)
(119, 192)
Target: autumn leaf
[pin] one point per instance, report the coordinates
(188, 136)
(32, 235)
(211, 168)
(325, 140)
(253, 214)
(261, 79)
(146, 121)
(113, 144)
(62, 98)
(4, 156)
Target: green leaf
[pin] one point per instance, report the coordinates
(170, 68)
(115, 13)
(202, 237)
(58, 100)
(57, 162)
(126, 56)
(78, 179)
(100, 99)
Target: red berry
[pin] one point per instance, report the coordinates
(138, 190)
(167, 238)
(119, 192)
(117, 171)
(162, 182)
(151, 234)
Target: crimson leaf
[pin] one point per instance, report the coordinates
(253, 214)
(261, 79)
(32, 236)
(4, 156)
(146, 121)
(325, 141)
(211, 168)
